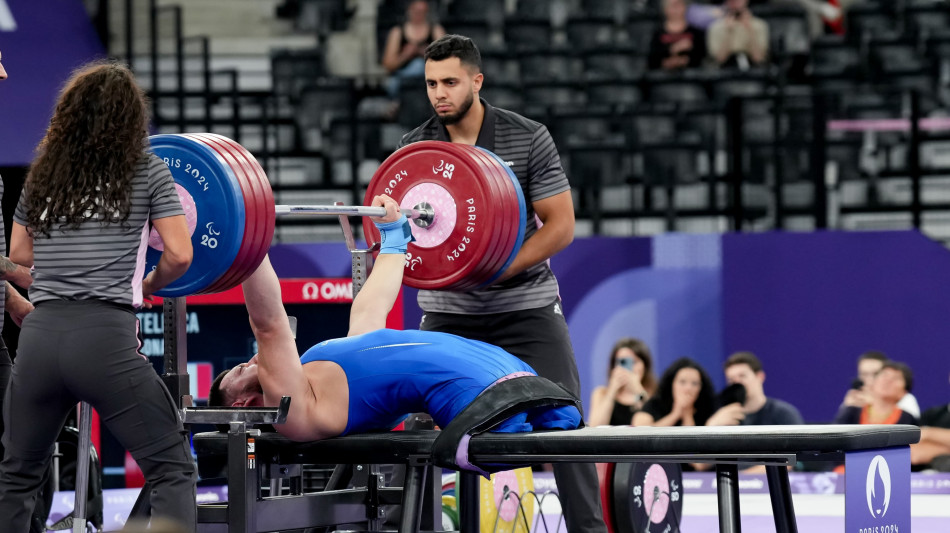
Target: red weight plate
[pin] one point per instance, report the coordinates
(607, 496)
(250, 225)
(425, 169)
(478, 272)
(513, 211)
(498, 219)
(502, 235)
(239, 173)
(265, 198)
(505, 215)
(486, 218)
(245, 262)
(516, 213)
(223, 282)
(488, 264)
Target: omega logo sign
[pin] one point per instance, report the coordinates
(327, 290)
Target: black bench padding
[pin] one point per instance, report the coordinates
(580, 445)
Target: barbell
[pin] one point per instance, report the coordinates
(467, 208)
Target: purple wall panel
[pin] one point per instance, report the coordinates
(810, 304)
(41, 42)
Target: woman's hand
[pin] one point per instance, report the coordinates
(620, 378)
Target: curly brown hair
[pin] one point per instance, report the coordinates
(86, 160)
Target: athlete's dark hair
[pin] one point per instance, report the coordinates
(86, 160)
(455, 46)
(216, 397)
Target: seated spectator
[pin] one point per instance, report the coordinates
(738, 39)
(745, 369)
(869, 364)
(933, 450)
(676, 44)
(888, 386)
(406, 44)
(630, 381)
(685, 397)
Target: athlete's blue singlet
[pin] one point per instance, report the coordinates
(392, 373)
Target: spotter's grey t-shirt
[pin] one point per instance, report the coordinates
(103, 260)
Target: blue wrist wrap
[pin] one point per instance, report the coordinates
(394, 236)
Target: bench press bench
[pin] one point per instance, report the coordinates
(247, 457)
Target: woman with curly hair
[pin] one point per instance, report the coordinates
(685, 397)
(83, 223)
(630, 382)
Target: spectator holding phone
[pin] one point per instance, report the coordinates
(738, 39)
(630, 382)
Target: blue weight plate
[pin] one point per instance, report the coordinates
(522, 216)
(219, 204)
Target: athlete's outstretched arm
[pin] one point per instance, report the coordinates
(378, 295)
(278, 362)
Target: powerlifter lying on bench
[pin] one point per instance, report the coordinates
(367, 381)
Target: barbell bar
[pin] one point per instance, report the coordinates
(467, 207)
(423, 213)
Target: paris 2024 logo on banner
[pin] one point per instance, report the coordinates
(878, 487)
(877, 491)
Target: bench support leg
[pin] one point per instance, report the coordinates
(468, 503)
(414, 490)
(727, 480)
(781, 493)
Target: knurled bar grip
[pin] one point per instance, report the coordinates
(351, 210)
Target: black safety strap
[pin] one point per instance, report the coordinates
(492, 407)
